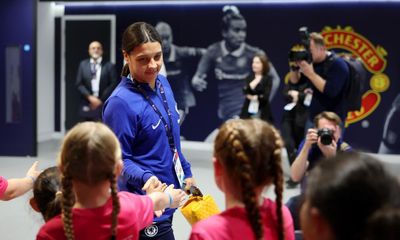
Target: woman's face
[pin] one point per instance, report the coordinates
(236, 33)
(145, 61)
(257, 65)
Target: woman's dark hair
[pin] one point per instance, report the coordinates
(250, 152)
(230, 13)
(136, 34)
(264, 61)
(348, 189)
(46, 193)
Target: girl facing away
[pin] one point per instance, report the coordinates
(247, 158)
(351, 197)
(47, 193)
(90, 162)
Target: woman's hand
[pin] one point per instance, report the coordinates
(328, 150)
(188, 183)
(251, 97)
(33, 171)
(294, 94)
(153, 185)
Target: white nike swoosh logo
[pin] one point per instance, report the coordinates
(154, 127)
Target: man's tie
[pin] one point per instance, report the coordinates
(93, 68)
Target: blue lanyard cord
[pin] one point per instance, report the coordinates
(165, 103)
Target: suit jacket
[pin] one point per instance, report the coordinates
(108, 80)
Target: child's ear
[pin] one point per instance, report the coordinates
(218, 174)
(321, 225)
(118, 168)
(33, 204)
(217, 167)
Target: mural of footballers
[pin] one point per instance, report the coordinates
(230, 59)
(177, 73)
(390, 143)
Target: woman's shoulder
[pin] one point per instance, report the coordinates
(266, 77)
(124, 97)
(164, 81)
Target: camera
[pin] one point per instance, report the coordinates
(300, 51)
(326, 135)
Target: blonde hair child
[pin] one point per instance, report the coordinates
(90, 161)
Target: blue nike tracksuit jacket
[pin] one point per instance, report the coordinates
(142, 135)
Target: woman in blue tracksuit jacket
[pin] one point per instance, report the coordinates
(142, 113)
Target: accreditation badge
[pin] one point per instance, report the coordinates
(178, 168)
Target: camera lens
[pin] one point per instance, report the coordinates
(326, 136)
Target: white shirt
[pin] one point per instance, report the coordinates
(96, 78)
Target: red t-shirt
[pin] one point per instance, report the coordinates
(3, 186)
(95, 223)
(233, 224)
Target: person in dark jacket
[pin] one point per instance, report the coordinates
(95, 81)
(257, 91)
(297, 93)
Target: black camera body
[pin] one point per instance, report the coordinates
(300, 51)
(326, 135)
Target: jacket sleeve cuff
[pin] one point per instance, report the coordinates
(146, 177)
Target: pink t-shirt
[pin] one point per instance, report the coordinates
(95, 223)
(233, 224)
(3, 186)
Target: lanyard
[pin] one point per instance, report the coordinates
(165, 103)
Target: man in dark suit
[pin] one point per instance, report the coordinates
(95, 81)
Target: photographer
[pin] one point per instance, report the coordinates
(320, 142)
(328, 76)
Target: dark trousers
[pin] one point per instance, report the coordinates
(158, 231)
(292, 134)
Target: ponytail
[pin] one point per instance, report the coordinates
(278, 181)
(246, 180)
(125, 70)
(250, 152)
(46, 192)
(67, 203)
(116, 206)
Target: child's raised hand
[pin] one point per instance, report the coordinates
(33, 171)
(177, 196)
